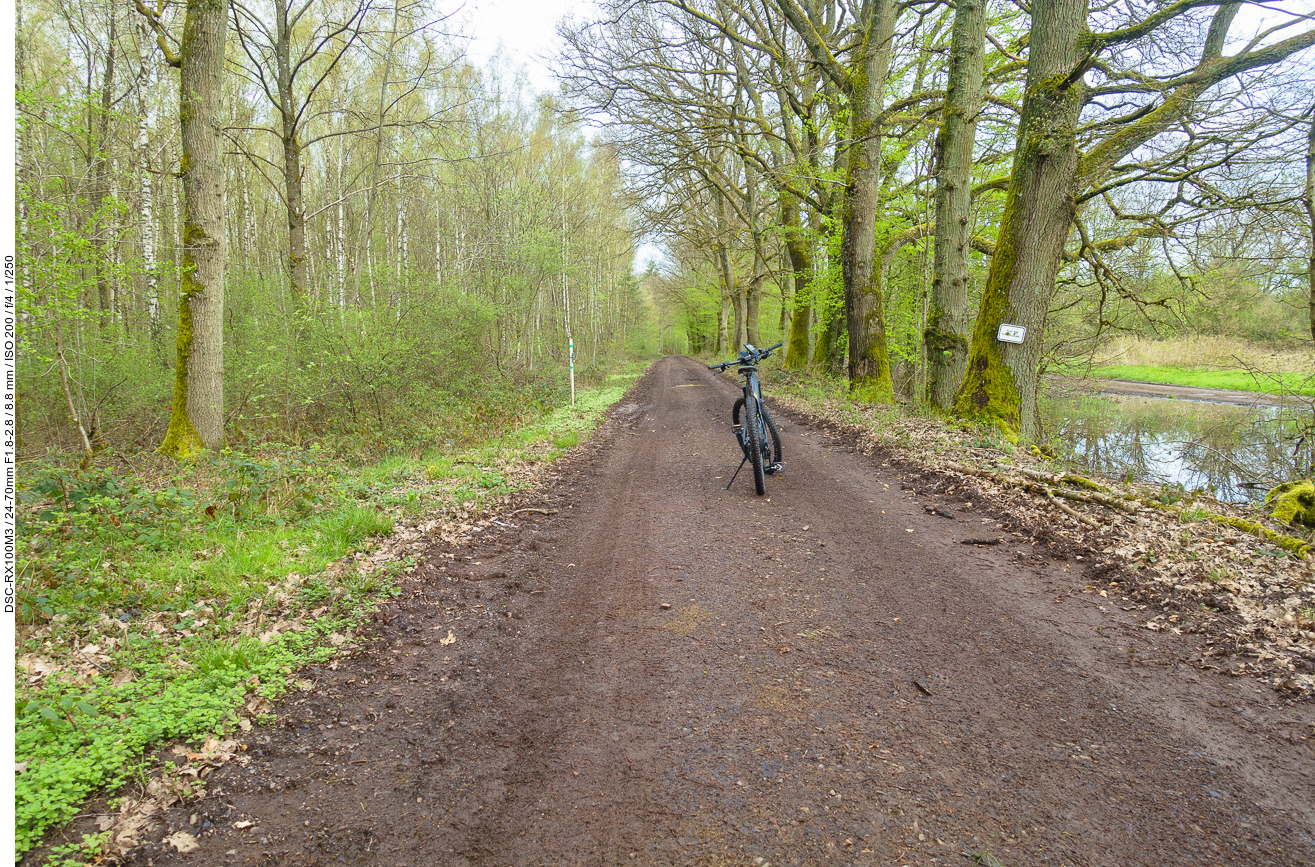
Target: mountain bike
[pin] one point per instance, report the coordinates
(753, 425)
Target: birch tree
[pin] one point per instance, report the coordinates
(289, 72)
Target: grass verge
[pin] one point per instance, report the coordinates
(1235, 380)
(160, 602)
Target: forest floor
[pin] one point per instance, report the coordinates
(885, 661)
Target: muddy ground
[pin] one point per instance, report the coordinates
(664, 672)
(1180, 392)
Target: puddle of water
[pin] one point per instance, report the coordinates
(1236, 452)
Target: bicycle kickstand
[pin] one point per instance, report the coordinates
(737, 472)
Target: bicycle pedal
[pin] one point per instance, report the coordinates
(773, 469)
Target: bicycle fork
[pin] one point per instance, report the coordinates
(745, 444)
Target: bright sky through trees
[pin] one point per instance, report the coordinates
(524, 30)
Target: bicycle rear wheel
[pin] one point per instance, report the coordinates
(756, 434)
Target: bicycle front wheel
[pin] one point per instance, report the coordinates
(774, 436)
(737, 424)
(756, 435)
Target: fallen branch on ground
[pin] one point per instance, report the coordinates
(1046, 485)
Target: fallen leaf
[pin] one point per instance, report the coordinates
(244, 724)
(243, 824)
(305, 685)
(449, 639)
(260, 704)
(19, 767)
(36, 665)
(183, 842)
(122, 676)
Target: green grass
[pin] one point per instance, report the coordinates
(176, 574)
(1237, 380)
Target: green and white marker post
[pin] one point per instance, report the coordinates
(570, 344)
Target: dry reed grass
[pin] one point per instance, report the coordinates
(1205, 350)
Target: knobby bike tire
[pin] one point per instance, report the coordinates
(754, 433)
(736, 421)
(775, 436)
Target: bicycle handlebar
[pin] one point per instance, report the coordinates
(750, 355)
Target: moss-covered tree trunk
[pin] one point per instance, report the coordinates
(197, 418)
(945, 340)
(801, 263)
(1049, 175)
(869, 358)
(1001, 379)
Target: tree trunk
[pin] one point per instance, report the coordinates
(753, 298)
(1310, 213)
(197, 419)
(100, 185)
(146, 224)
(869, 359)
(801, 263)
(364, 254)
(945, 340)
(727, 287)
(1001, 379)
(293, 197)
(1048, 176)
(296, 208)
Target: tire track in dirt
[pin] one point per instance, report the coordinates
(836, 681)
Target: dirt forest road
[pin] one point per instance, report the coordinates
(837, 680)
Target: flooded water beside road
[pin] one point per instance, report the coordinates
(1236, 452)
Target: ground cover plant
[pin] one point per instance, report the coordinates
(1203, 361)
(1236, 380)
(162, 602)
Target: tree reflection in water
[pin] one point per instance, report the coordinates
(1235, 452)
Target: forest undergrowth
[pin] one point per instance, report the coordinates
(164, 602)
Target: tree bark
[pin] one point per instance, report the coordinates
(1310, 213)
(197, 419)
(801, 262)
(869, 359)
(100, 186)
(146, 224)
(294, 198)
(754, 296)
(945, 340)
(1000, 382)
(1049, 175)
(371, 194)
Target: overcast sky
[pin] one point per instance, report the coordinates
(526, 30)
